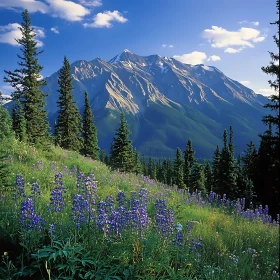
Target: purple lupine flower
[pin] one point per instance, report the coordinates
(178, 240)
(29, 220)
(79, 210)
(102, 219)
(35, 190)
(121, 198)
(19, 191)
(56, 199)
(164, 218)
(59, 182)
(80, 182)
(52, 231)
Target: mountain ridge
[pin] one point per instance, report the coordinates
(191, 101)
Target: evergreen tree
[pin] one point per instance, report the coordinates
(5, 124)
(188, 162)
(90, 142)
(208, 176)
(27, 82)
(179, 169)
(197, 181)
(137, 163)
(19, 122)
(274, 70)
(250, 162)
(6, 134)
(152, 171)
(104, 157)
(227, 168)
(244, 184)
(164, 171)
(144, 166)
(269, 181)
(121, 155)
(68, 127)
(216, 181)
(169, 177)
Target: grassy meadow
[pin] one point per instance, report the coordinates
(65, 216)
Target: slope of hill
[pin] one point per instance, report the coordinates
(135, 229)
(166, 102)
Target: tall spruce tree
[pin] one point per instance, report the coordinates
(89, 134)
(19, 122)
(26, 82)
(179, 169)
(216, 180)
(188, 163)
(244, 184)
(268, 184)
(68, 126)
(138, 169)
(121, 154)
(250, 162)
(227, 184)
(208, 176)
(6, 135)
(197, 180)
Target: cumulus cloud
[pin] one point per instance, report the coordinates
(222, 38)
(256, 23)
(91, 3)
(245, 83)
(105, 19)
(266, 91)
(55, 30)
(31, 5)
(10, 32)
(192, 58)
(214, 58)
(167, 46)
(67, 10)
(232, 50)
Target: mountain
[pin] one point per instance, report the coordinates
(165, 102)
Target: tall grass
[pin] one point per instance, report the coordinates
(188, 238)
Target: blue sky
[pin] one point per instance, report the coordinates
(234, 36)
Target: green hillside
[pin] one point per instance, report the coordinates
(135, 229)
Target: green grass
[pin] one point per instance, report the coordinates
(86, 253)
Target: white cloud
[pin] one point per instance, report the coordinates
(10, 32)
(232, 50)
(214, 58)
(67, 10)
(256, 23)
(245, 83)
(259, 39)
(167, 46)
(104, 19)
(91, 3)
(266, 91)
(55, 30)
(192, 58)
(31, 5)
(222, 38)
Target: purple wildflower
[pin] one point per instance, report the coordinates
(79, 210)
(19, 192)
(29, 220)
